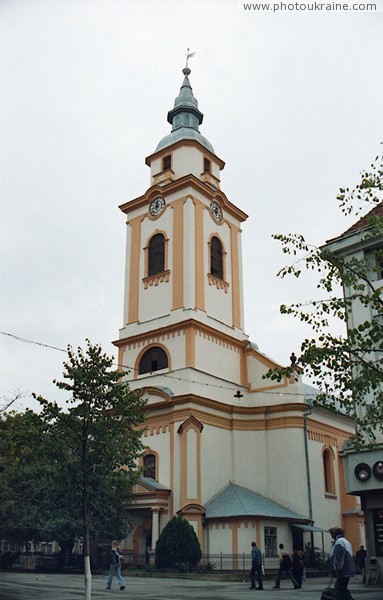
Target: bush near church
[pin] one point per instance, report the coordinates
(178, 545)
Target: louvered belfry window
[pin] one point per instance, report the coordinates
(156, 254)
(154, 359)
(216, 258)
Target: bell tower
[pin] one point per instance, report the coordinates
(183, 250)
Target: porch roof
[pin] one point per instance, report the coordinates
(152, 484)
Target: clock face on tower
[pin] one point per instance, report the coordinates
(156, 206)
(216, 211)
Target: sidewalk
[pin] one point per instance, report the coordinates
(42, 586)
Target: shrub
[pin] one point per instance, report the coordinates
(178, 545)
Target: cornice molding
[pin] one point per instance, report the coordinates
(179, 184)
(179, 144)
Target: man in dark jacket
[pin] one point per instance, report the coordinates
(360, 562)
(256, 567)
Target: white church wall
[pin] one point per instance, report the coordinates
(215, 357)
(216, 464)
(326, 509)
(187, 160)
(286, 468)
(246, 533)
(249, 457)
(220, 538)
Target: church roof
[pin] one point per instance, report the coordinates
(237, 501)
(152, 484)
(363, 223)
(185, 118)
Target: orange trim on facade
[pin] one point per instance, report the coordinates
(134, 271)
(190, 347)
(235, 272)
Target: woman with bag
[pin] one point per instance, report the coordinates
(115, 566)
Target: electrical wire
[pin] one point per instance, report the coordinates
(166, 375)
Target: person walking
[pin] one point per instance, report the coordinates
(298, 566)
(360, 561)
(341, 562)
(256, 567)
(285, 566)
(115, 566)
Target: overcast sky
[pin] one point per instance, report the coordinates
(292, 103)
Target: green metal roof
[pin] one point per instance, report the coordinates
(237, 501)
(185, 118)
(152, 483)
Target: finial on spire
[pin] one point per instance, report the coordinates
(188, 55)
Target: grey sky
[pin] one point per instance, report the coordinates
(292, 103)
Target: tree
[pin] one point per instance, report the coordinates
(79, 463)
(178, 545)
(347, 369)
(25, 477)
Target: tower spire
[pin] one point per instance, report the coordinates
(185, 112)
(185, 117)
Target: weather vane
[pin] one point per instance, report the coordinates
(189, 55)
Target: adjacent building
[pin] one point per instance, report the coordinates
(364, 469)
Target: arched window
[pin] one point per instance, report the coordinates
(328, 472)
(216, 258)
(150, 466)
(156, 255)
(154, 359)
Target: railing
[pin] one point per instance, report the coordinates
(218, 563)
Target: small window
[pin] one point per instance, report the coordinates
(328, 472)
(271, 541)
(216, 258)
(379, 260)
(156, 255)
(167, 162)
(150, 466)
(154, 359)
(206, 165)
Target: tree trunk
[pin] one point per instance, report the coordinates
(88, 578)
(85, 514)
(87, 569)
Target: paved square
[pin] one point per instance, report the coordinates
(41, 586)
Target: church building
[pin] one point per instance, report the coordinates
(241, 457)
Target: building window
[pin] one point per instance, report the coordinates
(167, 162)
(206, 165)
(328, 472)
(216, 258)
(150, 466)
(156, 255)
(379, 263)
(271, 541)
(154, 359)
